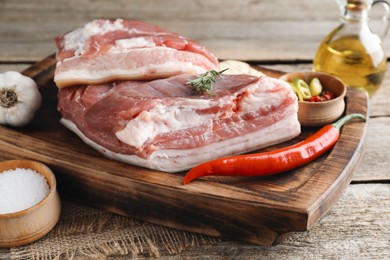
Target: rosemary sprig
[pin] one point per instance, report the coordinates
(204, 83)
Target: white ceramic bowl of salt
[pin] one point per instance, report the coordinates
(29, 203)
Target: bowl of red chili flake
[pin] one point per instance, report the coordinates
(320, 96)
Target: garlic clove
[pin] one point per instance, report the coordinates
(3, 116)
(238, 67)
(29, 97)
(19, 116)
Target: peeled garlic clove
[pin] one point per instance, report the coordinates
(238, 67)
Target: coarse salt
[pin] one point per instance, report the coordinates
(21, 189)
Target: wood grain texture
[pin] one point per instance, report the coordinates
(246, 29)
(14, 67)
(357, 227)
(294, 201)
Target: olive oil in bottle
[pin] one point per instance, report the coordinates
(352, 52)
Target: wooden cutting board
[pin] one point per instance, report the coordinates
(253, 209)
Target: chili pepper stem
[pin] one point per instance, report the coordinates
(339, 123)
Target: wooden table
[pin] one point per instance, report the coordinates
(282, 35)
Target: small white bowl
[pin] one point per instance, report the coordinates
(23, 227)
(320, 113)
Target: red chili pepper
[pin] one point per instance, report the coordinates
(315, 98)
(328, 95)
(280, 160)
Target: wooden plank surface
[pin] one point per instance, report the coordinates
(247, 29)
(358, 225)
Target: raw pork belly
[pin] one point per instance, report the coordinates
(161, 125)
(107, 50)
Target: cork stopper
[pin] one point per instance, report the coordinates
(356, 5)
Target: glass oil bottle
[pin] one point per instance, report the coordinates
(352, 51)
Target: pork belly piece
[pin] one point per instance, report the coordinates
(108, 50)
(161, 125)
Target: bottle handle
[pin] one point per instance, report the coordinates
(385, 18)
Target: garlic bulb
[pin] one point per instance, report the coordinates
(19, 99)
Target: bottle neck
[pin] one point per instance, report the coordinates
(355, 16)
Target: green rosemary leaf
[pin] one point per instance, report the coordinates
(203, 84)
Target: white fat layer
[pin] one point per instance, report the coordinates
(154, 70)
(132, 43)
(76, 39)
(260, 97)
(180, 160)
(163, 119)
